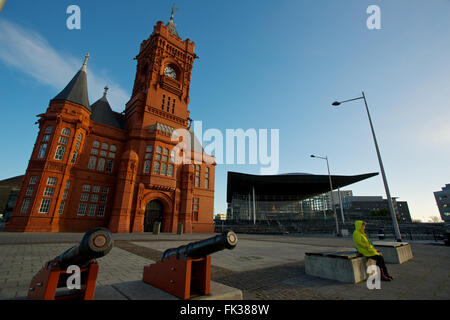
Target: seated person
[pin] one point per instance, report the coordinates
(365, 247)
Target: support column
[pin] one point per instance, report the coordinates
(121, 213)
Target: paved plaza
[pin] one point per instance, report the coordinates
(262, 266)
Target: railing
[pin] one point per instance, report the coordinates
(409, 232)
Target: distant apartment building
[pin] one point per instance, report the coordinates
(443, 202)
(375, 207)
(323, 202)
(220, 216)
(9, 189)
(336, 194)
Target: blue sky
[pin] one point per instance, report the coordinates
(263, 64)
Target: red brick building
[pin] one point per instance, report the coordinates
(94, 167)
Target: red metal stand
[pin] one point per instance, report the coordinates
(44, 284)
(183, 277)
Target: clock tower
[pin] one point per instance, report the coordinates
(163, 76)
(149, 178)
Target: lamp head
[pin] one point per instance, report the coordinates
(336, 104)
(313, 156)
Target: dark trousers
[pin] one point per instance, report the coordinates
(380, 263)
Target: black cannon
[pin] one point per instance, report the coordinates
(186, 271)
(203, 248)
(96, 243)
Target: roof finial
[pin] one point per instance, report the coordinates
(106, 91)
(86, 58)
(174, 9)
(172, 25)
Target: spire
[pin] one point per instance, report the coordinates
(105, 92)
(86, 58)
(172, 25)
(76, 91)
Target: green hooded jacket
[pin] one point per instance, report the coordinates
(362, 243)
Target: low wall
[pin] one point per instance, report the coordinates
(410, 231)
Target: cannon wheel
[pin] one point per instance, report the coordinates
(154, 212)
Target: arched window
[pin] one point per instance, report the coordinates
(105, 146)
(65, 132)
(59, 155)
(207, 178)
(42, 151)
(156, 168)
(170, 170)
(96, 144)
(92, 162)
(80, 137)
(49, 129)
(197, 175)
(163, 168)
(147, 164)
(101, 164)
(74, 156)
(63, 140)
(109, 165)
(113, 148)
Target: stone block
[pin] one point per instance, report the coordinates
(394, 252)
(344, 266)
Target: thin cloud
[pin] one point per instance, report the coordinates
(29, 52)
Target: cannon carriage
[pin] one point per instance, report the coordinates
(186, 271)
(96, 243)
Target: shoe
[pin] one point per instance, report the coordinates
(388, 275)
(384, 277)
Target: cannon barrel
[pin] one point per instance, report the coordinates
(96, 243)
(195, 250)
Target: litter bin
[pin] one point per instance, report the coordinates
(180, 229)
(156, 227)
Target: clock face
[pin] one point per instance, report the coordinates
(170, 72)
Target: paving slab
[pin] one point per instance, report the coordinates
(139, 290)
(248, 254)
(261, 266)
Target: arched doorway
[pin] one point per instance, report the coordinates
(154, 212)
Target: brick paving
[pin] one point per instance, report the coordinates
(19, 263)
(274, 270)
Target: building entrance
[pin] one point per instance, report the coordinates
(154, 212)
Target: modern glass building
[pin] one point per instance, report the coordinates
(296, 196)
(443, 202)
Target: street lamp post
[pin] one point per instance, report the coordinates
(341, 207)
(386, 187)
(338, 231)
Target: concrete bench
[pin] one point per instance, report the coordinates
(344, 266)
(394, 252)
